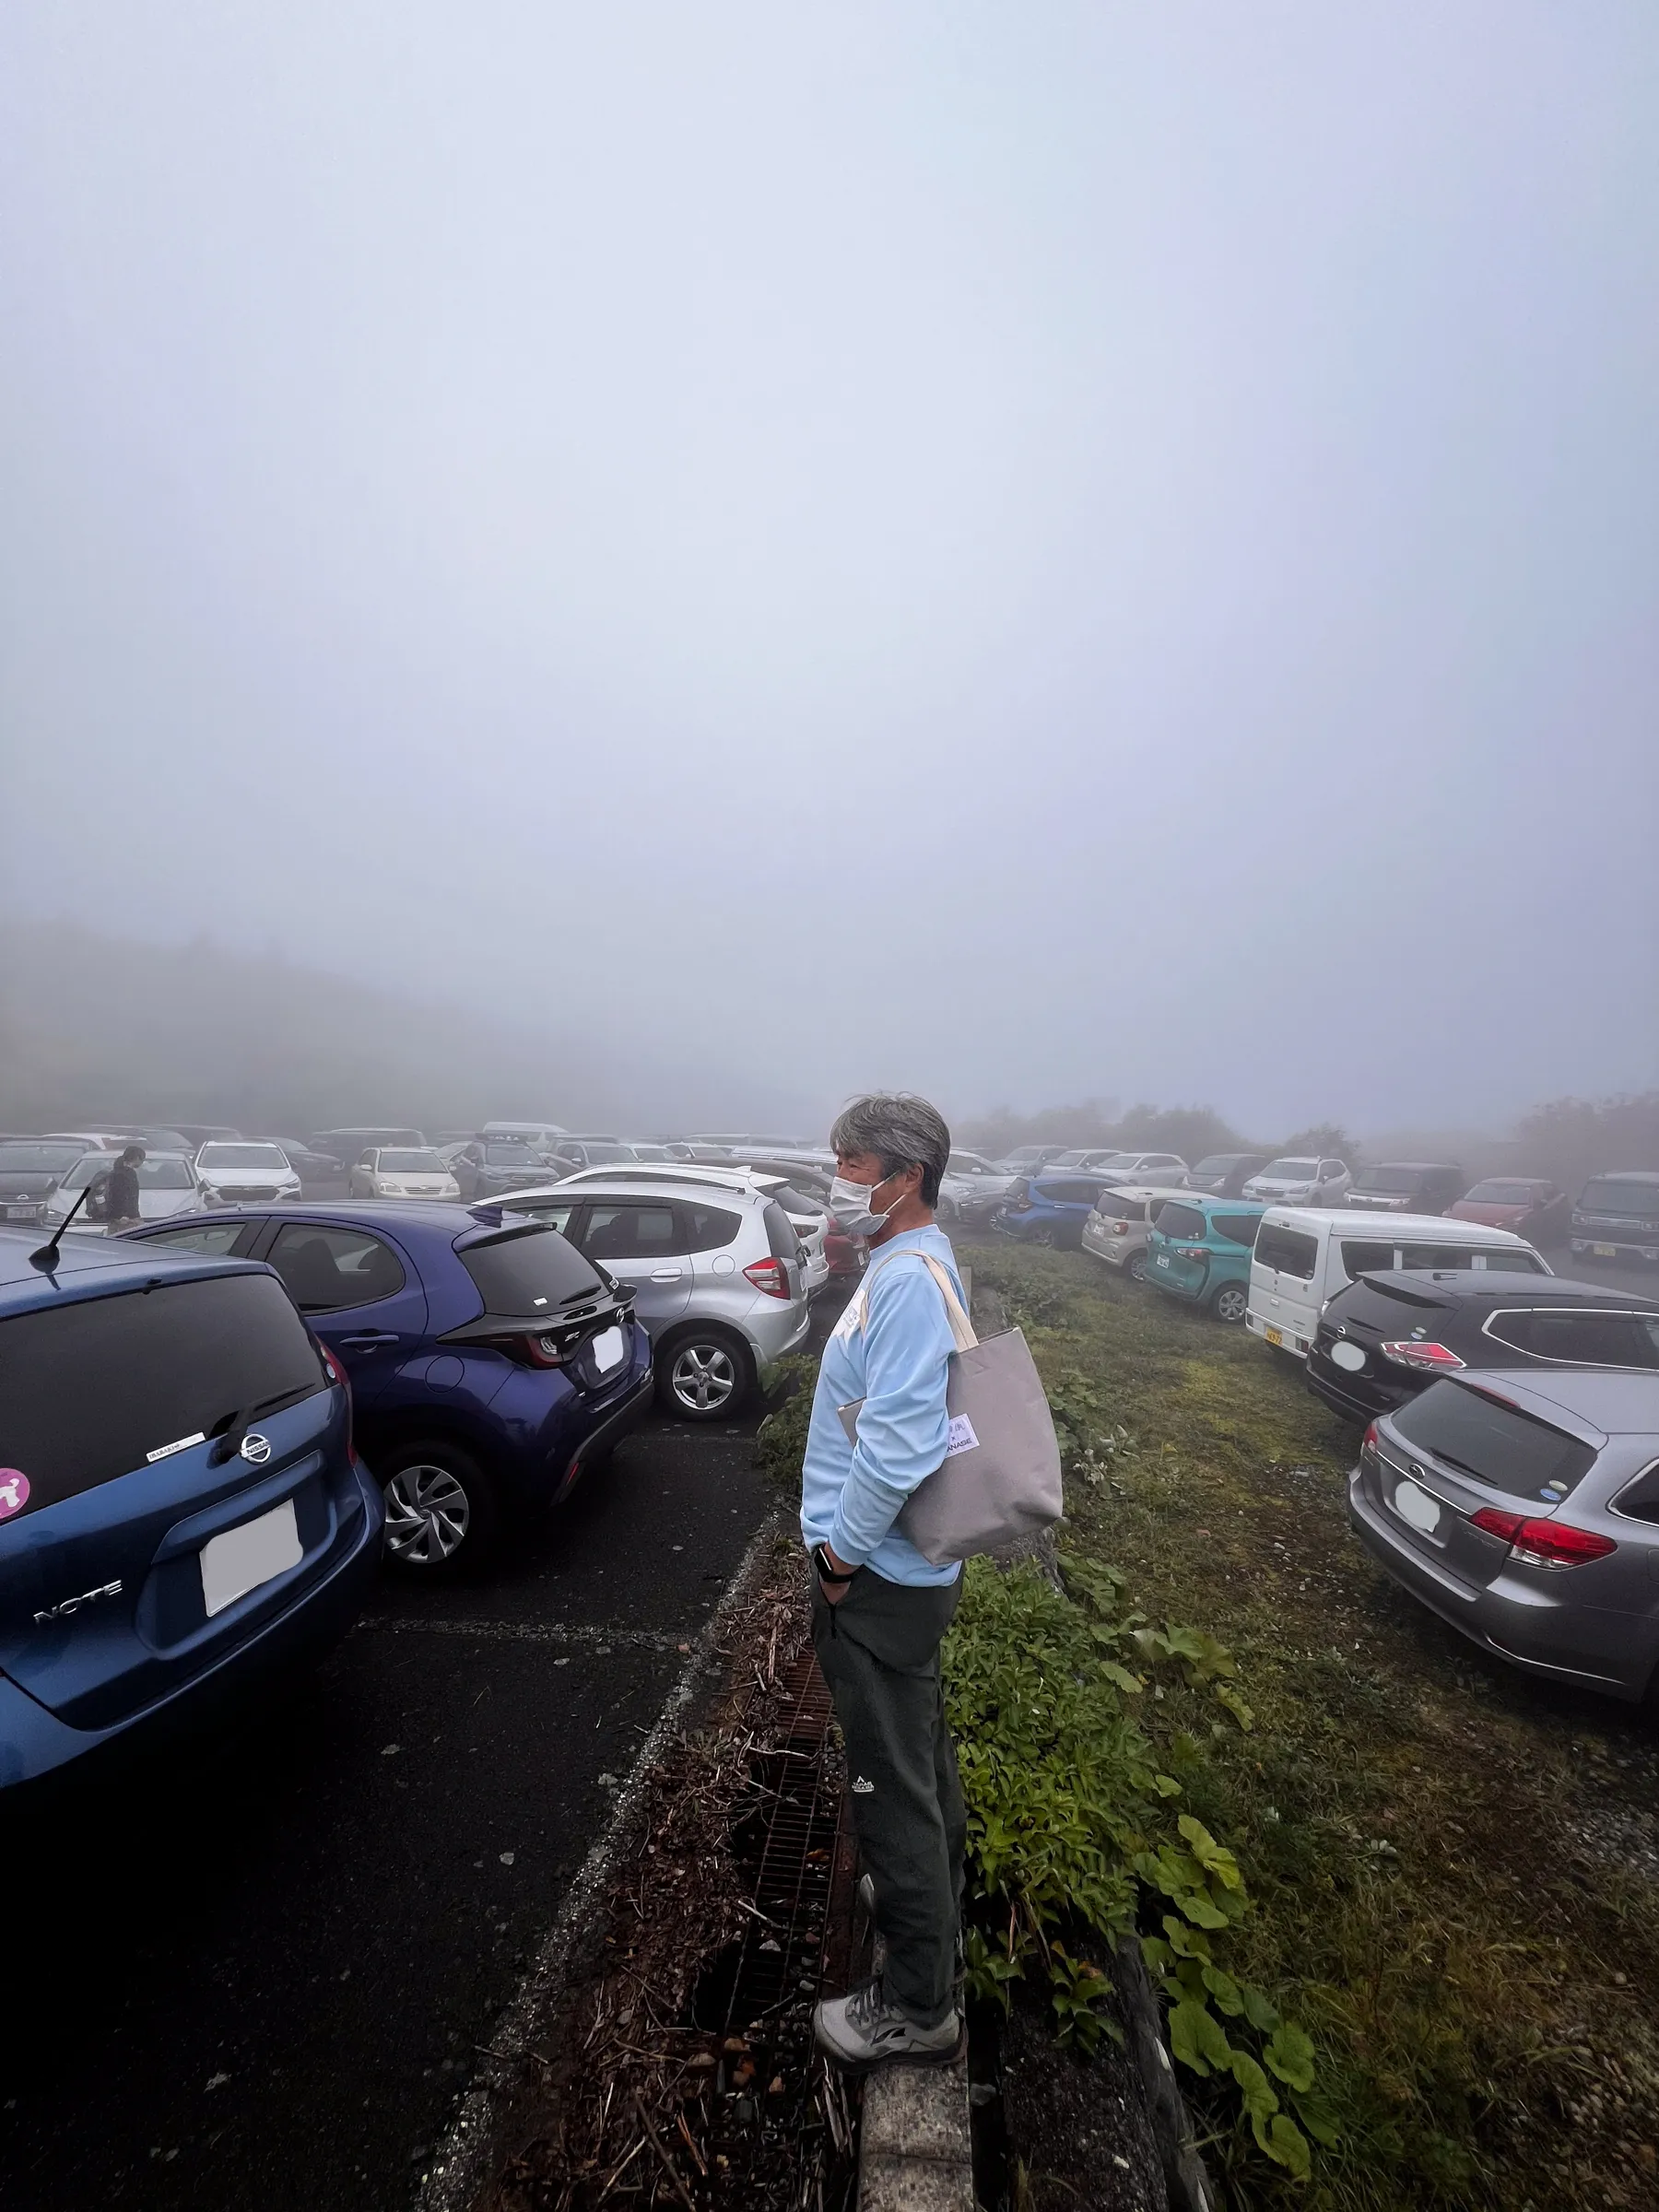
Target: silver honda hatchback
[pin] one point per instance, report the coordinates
(1525, 1509)
(717, 1274)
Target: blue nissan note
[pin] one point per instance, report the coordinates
(181, 1511)
(491, 1363)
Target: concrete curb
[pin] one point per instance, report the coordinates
(463, 2158)
(915, 2149)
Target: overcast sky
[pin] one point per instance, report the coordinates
(1018, 551)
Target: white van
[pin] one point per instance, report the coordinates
(1305, 1254)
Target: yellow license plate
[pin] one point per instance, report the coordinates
(1273, 1335)
(1605, 1252)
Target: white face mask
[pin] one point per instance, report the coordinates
(850, 1203)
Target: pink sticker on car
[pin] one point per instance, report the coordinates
(14, 1491)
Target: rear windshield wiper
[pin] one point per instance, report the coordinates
(231, 1428)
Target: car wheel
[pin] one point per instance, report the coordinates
(945, 1211)
(703, 1375)
(1229, 1303)
(441, 1516)
(1044, 1235)
(1138, 1266)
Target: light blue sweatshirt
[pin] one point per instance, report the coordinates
(897, 1364)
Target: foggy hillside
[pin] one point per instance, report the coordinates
(92, 1027)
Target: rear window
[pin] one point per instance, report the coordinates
(1504, 1449)
(779, 1233)
(708, 1228)
(1290, 1250)
(1392, 1182)
(1059, 1190)
(1506, 1194)
(1238, 1229)
(532, 1272)
(38, 1159)
(1516, 1260)
(1638, 1201)
(93, 1389)
(1178, 1220)
(1364, 1256)
(1111, 1207)
(1580, 1339)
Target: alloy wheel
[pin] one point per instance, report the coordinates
(428, 1516)
(703, 1377)
(1230, 1303)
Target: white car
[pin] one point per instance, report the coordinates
(167, 1184)
(1300, 1182)
(808, 1220)
(232, 1175)
(403, 1172)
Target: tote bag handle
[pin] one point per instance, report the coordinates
(961, 1328)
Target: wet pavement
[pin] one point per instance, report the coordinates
(259, 1972)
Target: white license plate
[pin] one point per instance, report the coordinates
(608, 1349)
(242, 1559)
(1416, 1507)
(1348, 1355)
(1162, 1260)
(1605, 1252)
(20, 1213)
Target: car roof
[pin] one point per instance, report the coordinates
(1625, 1175)
(1615, 1401)
(1410, 1166)
(367, 1213)
(88, 1266)
(1358, 1217)
(1506, 1286)
(614, 1187)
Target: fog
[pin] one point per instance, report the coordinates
(1027, 553)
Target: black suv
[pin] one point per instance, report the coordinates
(492, 1166)
(1224, 1174)
(1385, 1337)
(1408, 1186)
(1616, 1217)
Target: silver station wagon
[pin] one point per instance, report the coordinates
(1525, 1509)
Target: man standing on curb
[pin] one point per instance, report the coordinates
(879, 1609)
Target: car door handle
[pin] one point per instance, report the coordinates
(366, 1339)
(665, 1275)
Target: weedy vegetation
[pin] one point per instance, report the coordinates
(1404, 1905)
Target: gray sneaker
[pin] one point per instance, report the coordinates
(864, 2029)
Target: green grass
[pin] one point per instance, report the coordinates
(1444, 1861)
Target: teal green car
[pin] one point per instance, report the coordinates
(1199, 1251)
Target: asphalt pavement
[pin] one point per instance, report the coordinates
(259, 1971)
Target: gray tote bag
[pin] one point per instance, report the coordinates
(1000, 1479)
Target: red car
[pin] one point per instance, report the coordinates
(1532, 1208)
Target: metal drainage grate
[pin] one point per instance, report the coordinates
(786, 1842)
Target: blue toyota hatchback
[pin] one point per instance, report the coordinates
(491, 1364)
(1050, 1207)
(180, 1512)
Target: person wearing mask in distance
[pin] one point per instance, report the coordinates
(878, 1608)
(121, 1193)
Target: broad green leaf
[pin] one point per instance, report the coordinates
(1200, 1910)
(1254, 2088)
(1259, 2008)
(1120, 1678)
(1197, 2039)
(1182, 1941)
(1212, 1857)
(1236, 1706)
(1225, 1991)
(1285, 2142)
(1290, 2054)
(1316, 2115)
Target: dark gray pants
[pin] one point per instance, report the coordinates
(879, 1652)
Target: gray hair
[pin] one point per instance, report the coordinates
(902, 1131)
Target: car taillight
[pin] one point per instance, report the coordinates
(1543, 1543)
(337, 1373)
(526, 1349)
(1434, 1358)
(1120, 1228)
(1191, 1252)
(1368, 1442)
(771, 1275)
